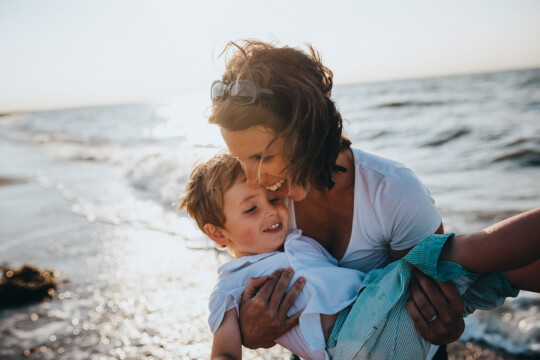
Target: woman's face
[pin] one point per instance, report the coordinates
(249, 146)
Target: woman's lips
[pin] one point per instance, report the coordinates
(275, 186)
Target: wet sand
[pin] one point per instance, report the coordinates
(472, 351)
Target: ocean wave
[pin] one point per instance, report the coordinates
(533, 81)
(522, 157)
(401, 104)
(447, 136)
(514, 327)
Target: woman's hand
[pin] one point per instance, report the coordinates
(436, 309)
(264, 307)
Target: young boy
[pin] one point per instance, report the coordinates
(367, 313)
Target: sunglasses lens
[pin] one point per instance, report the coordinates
(218, 90)
(243, 92)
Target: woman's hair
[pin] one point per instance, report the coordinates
(300, 110)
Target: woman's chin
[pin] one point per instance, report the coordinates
(296, 193)
(283, 190)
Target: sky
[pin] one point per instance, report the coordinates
(67, 53)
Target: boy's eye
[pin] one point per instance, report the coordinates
(251, 209)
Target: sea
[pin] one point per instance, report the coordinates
(89, 193)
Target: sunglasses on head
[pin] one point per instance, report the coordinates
(241, 92)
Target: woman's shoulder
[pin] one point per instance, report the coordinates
(367, 161)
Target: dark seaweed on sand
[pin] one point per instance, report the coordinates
(25, 285)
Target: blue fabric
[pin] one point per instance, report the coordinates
(378, 325)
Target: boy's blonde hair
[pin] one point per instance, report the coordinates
(203, 197)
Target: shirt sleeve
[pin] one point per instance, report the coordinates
(220, 303)
(408, 211)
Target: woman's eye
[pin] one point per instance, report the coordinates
(251, 209)
(264, 159)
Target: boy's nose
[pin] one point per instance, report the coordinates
(271, 210)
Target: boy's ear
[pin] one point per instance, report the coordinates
(216, 234)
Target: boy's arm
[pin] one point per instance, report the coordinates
(508, 245)
(227, 342)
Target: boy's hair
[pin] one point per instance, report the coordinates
(300, 110)
(209, 180)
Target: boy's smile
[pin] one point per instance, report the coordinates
(256, 220)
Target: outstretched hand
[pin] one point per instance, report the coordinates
(264, 306)
(436, 309)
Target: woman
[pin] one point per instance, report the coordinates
(276, 115)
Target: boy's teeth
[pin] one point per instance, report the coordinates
(276, 185)
(273, 227)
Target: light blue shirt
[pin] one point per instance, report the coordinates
(328, 290)
(378, 325)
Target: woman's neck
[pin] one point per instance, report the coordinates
(327, 215)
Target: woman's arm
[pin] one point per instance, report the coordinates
(264, 306)
(227, 344)
(508, 245)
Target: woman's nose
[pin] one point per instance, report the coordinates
(252, 176)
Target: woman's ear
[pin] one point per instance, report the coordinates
(216, 234)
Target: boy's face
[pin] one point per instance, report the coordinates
(256, 220)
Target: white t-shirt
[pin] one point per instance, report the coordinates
(328, 290)
(392, 209)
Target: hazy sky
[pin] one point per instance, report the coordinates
(73, 53)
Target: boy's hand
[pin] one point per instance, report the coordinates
(264, 307)
(436, 309)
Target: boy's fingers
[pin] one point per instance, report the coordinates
(291, 296)
(280, 289)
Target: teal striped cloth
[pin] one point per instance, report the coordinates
(378, 326)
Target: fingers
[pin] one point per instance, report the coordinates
(455, 302)
(293, 320)
(419, 288)
(436, 309)
(253, 286)
(290, 297)
(281, 288)
(418, 320)
(267, 289)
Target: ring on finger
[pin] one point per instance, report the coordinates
(433, 318)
